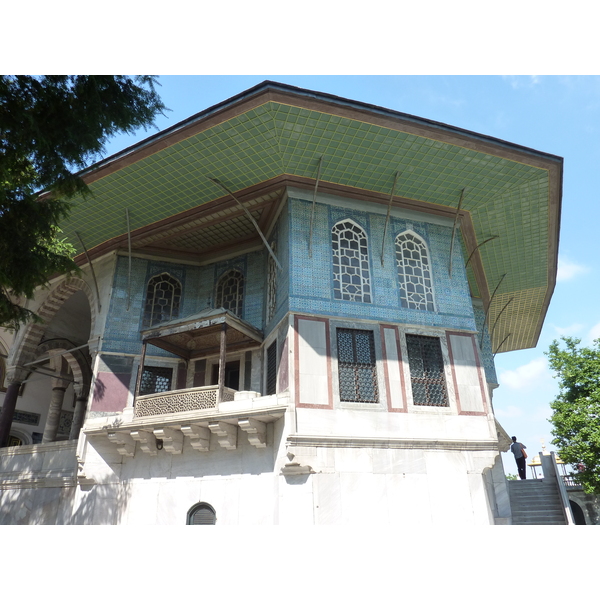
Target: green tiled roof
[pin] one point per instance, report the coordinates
(505, 196)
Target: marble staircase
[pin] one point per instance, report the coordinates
(535, 502)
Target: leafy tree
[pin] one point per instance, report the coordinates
(576, 417)
(50, 128)
(511, 477)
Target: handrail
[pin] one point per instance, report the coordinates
(562, 490)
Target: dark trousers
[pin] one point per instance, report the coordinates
(521, 467)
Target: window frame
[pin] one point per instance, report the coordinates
(446, 365)
(147, 317)
(240, 292)
(366, 297)
(401, 273)
(378, 401)
(196, 508)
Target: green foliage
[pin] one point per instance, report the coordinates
(511, 477)
(51, 126)
(576, 418)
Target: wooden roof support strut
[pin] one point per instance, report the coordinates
(92, 269)
(312, 212)
(387, 218)
(479, 246)
(454, 229)
(488, 310)
(262, 237)
(500, 345)
(498, 317)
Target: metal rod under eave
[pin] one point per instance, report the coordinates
(501, 344)
(498, 317)
(487, 311)
(312, 212)
(454, 230)
(138, 380)
(262, 237)
(387, 218)
(222, 359)
(92, 270)
(477, 248)
(129, 269)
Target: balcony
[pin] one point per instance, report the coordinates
(191, 399)
(164, 421)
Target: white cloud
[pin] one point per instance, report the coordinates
(569, 329)
(568, 269)
(531, 374)
(510, 412)
(520, 81)
(593, 334)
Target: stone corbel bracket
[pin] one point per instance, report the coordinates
(199, 437)
(172, 439)
(227, 434)
(146, 440)
(295, 468)
(125, 444)
(256, 430)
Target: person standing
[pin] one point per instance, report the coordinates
(518, 450)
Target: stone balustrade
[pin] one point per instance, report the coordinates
(175, 401)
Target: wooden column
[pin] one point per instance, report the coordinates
(222, 360)
(139, 373)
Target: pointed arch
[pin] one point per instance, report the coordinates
(229, 292)
(34, 332)
(414, 271)
(350, 253)
(163, 299)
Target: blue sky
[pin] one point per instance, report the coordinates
(555, 114)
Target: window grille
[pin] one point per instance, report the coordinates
(202, 514)
(351, 279)
(272, 369)
(163, 297)
(426, 371)
(414, 272)
(356, 365)
(271, 285)
(230, 292)
(155, 380)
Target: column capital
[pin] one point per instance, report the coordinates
(16, 374)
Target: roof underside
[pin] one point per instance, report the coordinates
(275, 133)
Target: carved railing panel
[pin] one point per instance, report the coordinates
(181, 400)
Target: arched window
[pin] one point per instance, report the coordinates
(201, 514)
(163, 297)
(230, 292)
(351, 279)
(414, 272)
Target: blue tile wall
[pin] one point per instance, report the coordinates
(122, 332)
(486, 348)
(311, 287)
(281, 236)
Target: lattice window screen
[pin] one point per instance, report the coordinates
(163, 298)
(426, 370)
(155, 380)
(356, 366)
(230, 292)
(351, 278)
(272, 369)
(414, 272)
(271, 285)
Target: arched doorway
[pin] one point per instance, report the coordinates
(578, 515)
